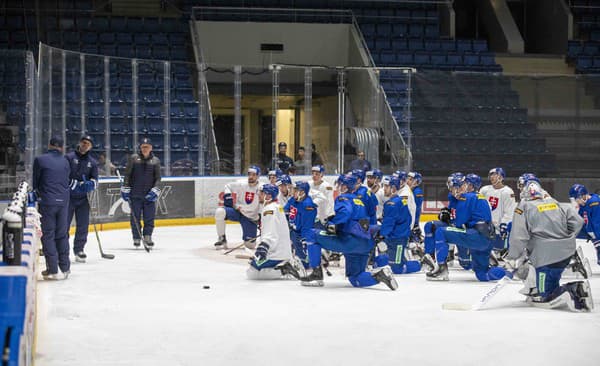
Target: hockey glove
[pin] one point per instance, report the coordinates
(152, 196)
(88, 185)
(32, 198)
(331, 229)
(416, 232)
(261, 252)
(74, 184)
(228, 200)
(125, 192)
(445, 215)
(503, 231)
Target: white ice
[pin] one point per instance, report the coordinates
(151, 309)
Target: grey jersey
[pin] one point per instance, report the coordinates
(546, 228)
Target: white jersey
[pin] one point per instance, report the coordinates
(274, 231)
(380, 200)
(502, 202)
(407, 193)
(326, 202)
(283, 199)
(245, 197)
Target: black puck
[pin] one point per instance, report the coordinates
(206, 287)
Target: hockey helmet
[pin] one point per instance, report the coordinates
(416, 176)
(577, 191)
(474, 180)
(378, 174)
(254, 169)
(302, 186)
(318, 168)
(498, 171)
(270, 189)
(283, 179)
(358, 173)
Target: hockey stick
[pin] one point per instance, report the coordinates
(498, 286)
(102, 254)
(234, 248)
(134, 219)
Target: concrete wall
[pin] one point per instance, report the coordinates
(237, 43)
(549, 26)
(504, 35)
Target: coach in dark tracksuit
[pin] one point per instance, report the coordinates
(84, 179)
(140, 189)
(51, 185)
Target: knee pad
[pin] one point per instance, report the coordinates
(382, 260)
(220, 214)
(496, 273)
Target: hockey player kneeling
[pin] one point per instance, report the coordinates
(272, 256)
(348, 233)
(395, 230)
(548, 230)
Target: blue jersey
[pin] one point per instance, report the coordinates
(51, 178)
(472, 208)
(419, 197)
(302, 216)
(351, 216)
(82, 165)
(370, 202)
(591, 216)
(396, 219)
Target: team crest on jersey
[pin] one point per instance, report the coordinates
(585, 218)
(493, 202)
(249, 197)
(293, 212)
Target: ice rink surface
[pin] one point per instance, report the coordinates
(151, 309)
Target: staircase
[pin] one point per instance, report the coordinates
(534, 64)
(136, 7)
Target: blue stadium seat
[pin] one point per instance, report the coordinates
(421, 58)
(368, 29)
(177, 142)
(416, 44)
(384, 29)
(464, 45)
(432, 31)
(433, 45)
(479, 46)
(118, 24)
(416, 30)
(141, 39)
(177, 126)
(448, 45)
(399, 44)
(405, 59)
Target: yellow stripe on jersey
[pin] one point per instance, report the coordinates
(269, 212)
(547, 207)
(518, 211)
(358, 202)
(481, 197)
(594, 204)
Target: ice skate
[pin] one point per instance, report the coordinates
(417, 251)
(80, 257)
(582, 294)
(438, 273)
(137, 243)
(428, 262)
(250, 243)
(148, 240)
(287, 269)
(580, 264)
(385, 275)
(55, 276)
(451, 256)
(315, 278)
(221, 243)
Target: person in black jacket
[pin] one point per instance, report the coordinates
(84, 179)
(282, 161)
(51, 186)
(140, 189)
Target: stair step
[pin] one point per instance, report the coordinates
(534, 64)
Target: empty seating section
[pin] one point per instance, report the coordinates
(584, 51)
(476, 117)
(127, 37)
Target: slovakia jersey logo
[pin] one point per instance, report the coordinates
(293, 212)
(493, 202)
(585, 218)
(249, 197)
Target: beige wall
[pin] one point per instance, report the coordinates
(237, 43)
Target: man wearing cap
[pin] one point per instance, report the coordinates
(282, 161)
(51, 186)
(83, 180)
(140, 189)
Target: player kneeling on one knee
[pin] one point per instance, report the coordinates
(473, 230)
(547, 230)
(241, 204)
(348, 233)
(395, 229)
(272, 256)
